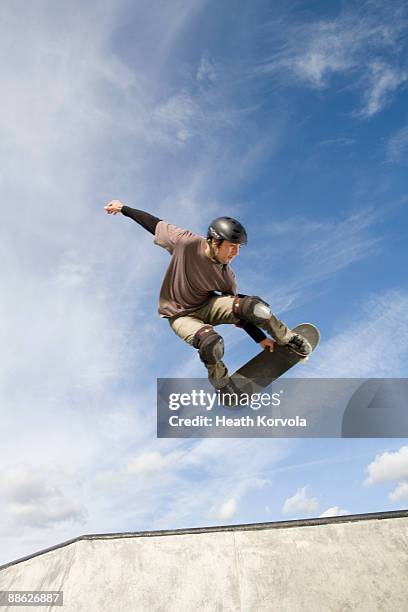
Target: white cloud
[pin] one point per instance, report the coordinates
(155, 463)
(300, 504)
(33, 497)
(226, 511)
(334, 511)
(400, 493)
(58, 510)
(387, 467)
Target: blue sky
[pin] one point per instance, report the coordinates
(291, 117)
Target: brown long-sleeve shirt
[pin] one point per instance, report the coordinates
(191, 275)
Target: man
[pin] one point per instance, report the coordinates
(200, 267)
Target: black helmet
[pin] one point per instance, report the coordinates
(226, 228)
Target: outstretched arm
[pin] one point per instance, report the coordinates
(165, 234)
(146, 220)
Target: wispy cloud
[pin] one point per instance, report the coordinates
(182, 117)
(328, 247)
(207, 72)
(350, 45)
(210, 486)
(80, 288)
(382, 81)
(397, 147)
(369, 345)
(177, 117)
(337, 246)
(341, 142)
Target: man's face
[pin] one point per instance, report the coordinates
(227, 251)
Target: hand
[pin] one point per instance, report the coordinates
(114, 207)
(268, 344)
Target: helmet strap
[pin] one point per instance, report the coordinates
(212, 251)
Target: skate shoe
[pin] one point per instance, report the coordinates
(299, 345)
(230, 395)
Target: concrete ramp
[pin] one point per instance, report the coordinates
(346, 563)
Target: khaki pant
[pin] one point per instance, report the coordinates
(219, 311)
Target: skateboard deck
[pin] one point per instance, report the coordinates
(264, 368)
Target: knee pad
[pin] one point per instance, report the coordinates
(251, 308)
(210, 345)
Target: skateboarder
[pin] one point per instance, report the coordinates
(200, 267)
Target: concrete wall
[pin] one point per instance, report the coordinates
(355, 563)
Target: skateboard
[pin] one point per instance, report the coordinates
(264, 368)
